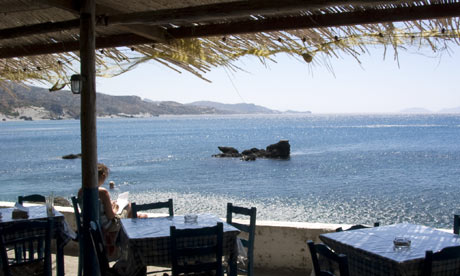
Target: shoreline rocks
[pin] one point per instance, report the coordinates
(280, 150)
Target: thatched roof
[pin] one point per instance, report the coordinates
(39, 39)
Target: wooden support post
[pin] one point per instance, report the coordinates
(88, 131)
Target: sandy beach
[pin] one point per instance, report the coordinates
(32, 112)
(39, 113)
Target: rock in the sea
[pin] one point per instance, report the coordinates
(72, 156)
(281, 150)
(227, 152)
(249, 157)
(60, 201)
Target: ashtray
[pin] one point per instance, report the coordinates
(190, 218)
(400, 241)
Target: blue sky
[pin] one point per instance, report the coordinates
(378, 85)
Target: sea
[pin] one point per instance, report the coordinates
(343, 168)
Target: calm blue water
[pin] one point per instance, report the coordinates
(347, 169)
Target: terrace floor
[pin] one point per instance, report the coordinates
(71, 268)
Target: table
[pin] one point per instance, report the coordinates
(145, 241)
(371, 251)
(60, 229)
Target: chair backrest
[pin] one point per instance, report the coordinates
(78, 221)
(456, 224)
(249, 229)
(326, 252)
(150, 206)
(31, 198)
(446, 254)
(29, 235)
(99, 247)
(190, 245)
(357, 226)
(76, 210)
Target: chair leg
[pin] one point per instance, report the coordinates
(80, 258)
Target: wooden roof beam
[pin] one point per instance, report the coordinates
(231, 10)
(176, 15)
(72, 6)
(72, 46)
(150, 32)
(43, 28)
(251, 26)
(12, 6)
(320, 21)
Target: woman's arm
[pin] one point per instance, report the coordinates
(104, 196)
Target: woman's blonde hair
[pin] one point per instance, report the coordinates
(102, 171)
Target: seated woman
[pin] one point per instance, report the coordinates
(109, 219)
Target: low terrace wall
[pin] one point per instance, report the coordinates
(278, 245)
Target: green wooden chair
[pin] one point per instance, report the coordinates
(456, 224)
(79, 239)
(446, 254)
(250, 230)
(99, 248)
(324, 251)
(208, 256)
(151, 206)
(32, 261)
(31, 198)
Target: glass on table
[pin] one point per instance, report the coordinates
(49, 203)
(401, 243)
(190, 218)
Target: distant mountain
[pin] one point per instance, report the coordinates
(63, 104)
(416, 110)
(241, 108)
(450, 110)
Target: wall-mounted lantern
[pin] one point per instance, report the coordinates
(76, 83)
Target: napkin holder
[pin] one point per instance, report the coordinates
(20, 214)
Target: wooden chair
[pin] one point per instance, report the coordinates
(205, 258)
(19, 252)
(99, 248)
(456, 224)
(32, 262)
(79, 239)
(357, 226)
(31, 198)
(446, 254)
(249, 229)
(326, 252)
(150, 206)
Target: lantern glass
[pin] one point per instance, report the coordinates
(75, 84)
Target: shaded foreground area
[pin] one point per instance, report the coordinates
(71, 268)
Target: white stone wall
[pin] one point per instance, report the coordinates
(278, 245)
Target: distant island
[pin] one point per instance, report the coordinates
(20, 102)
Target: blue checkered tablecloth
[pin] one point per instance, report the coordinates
(371, 251)
(61, 230)
(146, 242)
(37, 213)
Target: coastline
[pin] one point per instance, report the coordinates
(34, 113)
